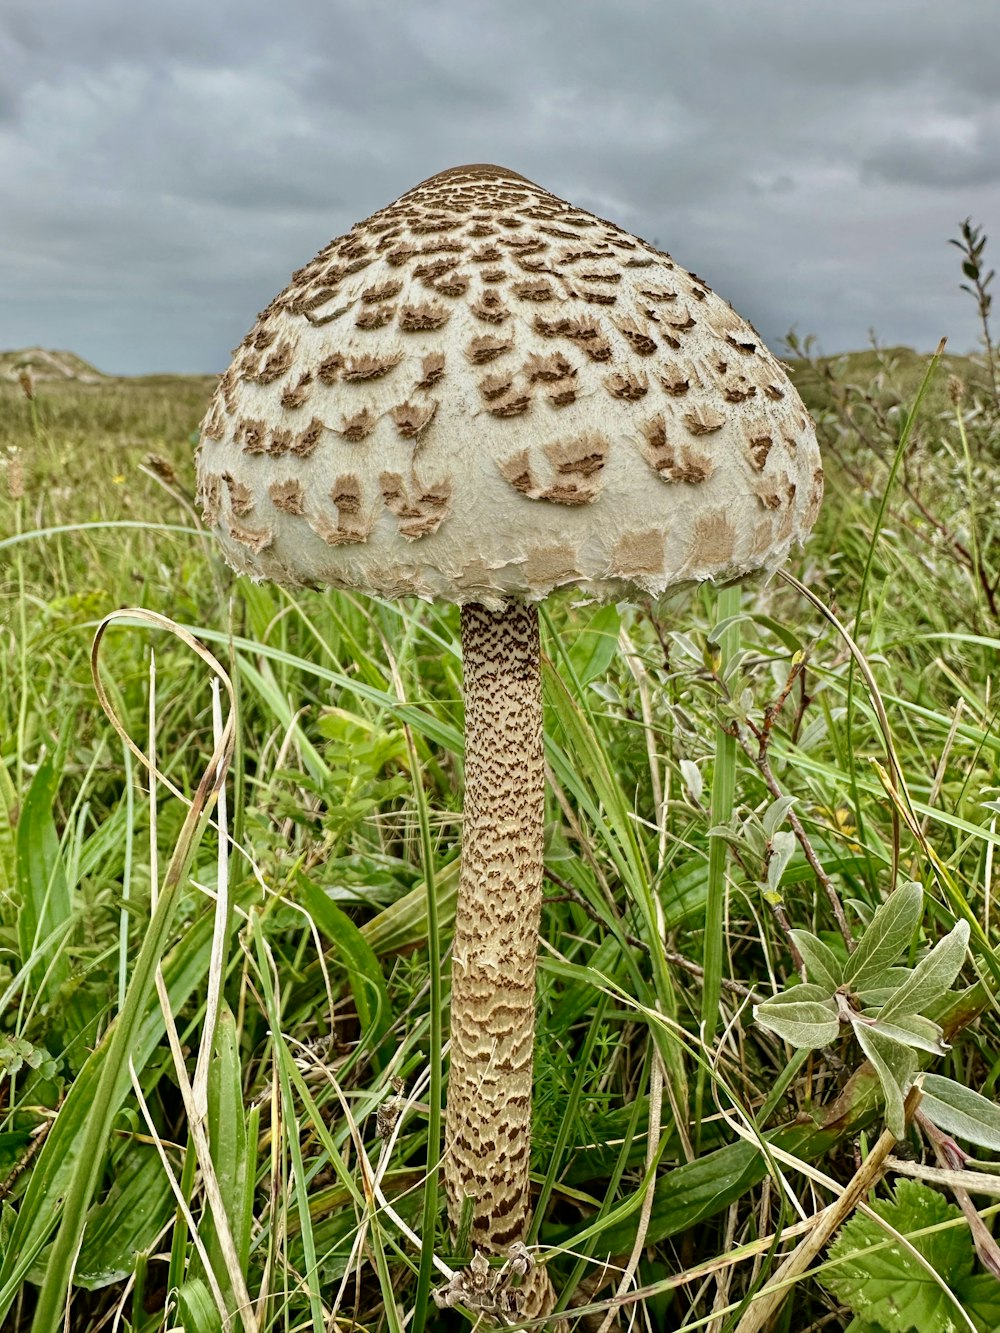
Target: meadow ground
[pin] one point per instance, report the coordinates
(723, 772)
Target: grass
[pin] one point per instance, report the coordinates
(218, 1061)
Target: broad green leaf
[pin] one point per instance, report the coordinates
(46, 908)
(913, 1030)
(8, 826)
(933, 976)
(960, 1111)
(196, 1308)
(593, 648)
(889, 933)
(895, 1066)
(128, 1220)
(227, 1134)
(824, 967)
(76, 1133)
(980, 1297)
(886, 1285)
(403, 924)
(804, 1016)
(364, 973)
(874, 997)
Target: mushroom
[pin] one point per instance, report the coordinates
(478, 395)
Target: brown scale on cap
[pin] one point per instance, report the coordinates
(672, 461)
(420, 510)
(760, 444)
(737, 389)
(512, 405)
(638, 554)
(533, 291)
(306, 441)
(351, 525)
(295, 395)
(280, 442)
(703, 419)
(561, 393)
(210, 497)
(552, 565)
(629, 385)
(437, 269)
(431, 370)
(576, 465)
(375, 317)
(487, 348)
(356, 427)
(381, 292)
(495, 386)
(241, 497)
(490, 308)
(254, 539)
(412, 419)
(426, 315)
(456, 284)
(369, 367)
(815, 497)
(595, 297)
(329, 368)
(288, 496)
(252, 435)
(213, 427)
(713, 543)
(555, 366)
(674, 379)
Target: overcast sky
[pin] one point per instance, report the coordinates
(164, 166)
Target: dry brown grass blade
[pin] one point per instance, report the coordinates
(770, 1300)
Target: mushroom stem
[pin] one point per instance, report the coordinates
(488, 1128)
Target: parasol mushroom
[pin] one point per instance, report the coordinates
(479, 395)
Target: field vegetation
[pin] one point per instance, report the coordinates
(215, 1051)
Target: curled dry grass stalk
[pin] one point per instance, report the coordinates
(263, 1152)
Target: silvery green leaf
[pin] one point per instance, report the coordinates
(933, 976)
(687, 645)
(876, 996)
(890, 932)
(960, 1111)
(824, 967)
(782, 851)
(775, 814)
(895, 1066)
(912, 1030)
(805, 1017)
(691, 774)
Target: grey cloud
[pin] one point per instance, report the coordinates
(165, 168)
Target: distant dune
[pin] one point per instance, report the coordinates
(47, 365)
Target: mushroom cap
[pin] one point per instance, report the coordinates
(483, 393)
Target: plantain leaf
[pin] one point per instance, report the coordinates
(595, 645)
(364, 973)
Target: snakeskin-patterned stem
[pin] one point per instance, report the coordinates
(488, 1128)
